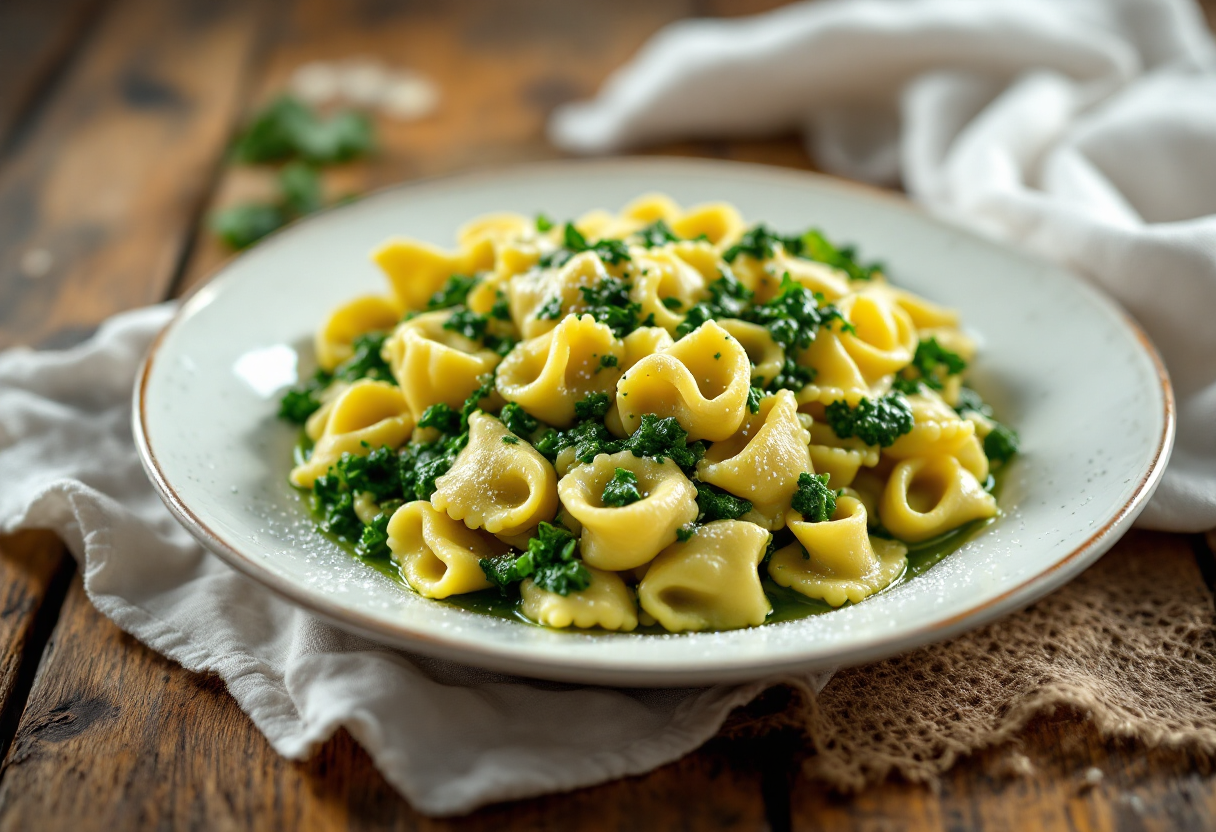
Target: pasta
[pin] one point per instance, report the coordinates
(660, 420)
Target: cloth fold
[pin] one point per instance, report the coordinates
(450, 738)
(1082, 130)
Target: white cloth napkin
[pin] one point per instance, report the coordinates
(1082, 130)
(448, 737)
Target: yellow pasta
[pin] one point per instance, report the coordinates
(502, 488)
(709, 582)
(370, 414)
(702, 381)
(613, 419)
(762, 462)
(438, 556)
(625, 537)
(929, 496)
(335, 339)
(837, 560)
(606, 603)
(435, 365)
(548, 375)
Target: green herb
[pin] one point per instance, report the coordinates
(421, 463)
(657, 234)
(297, 405)
(510, 440)
(588, 439)
(608, 302)
(728, 299)
(335, 504)
(754, 395)
(501, 310)
(715, 504)
(373, 541)
(813, 499)
(878, 422)
(550, 560)
(1001, 443)
(968, 399)
(907, 386)
(333, 496)
(543, 223)
(612, 252)
(673, 303)
(761, 243)
(622, 489)
(933, 363)
(686, 532)
(607, 361)
(366, 360)
(794, 316)
(792, 376)
(243, 225)
(300, 185)
(455, 292)
(550, 310)
(593, 406)
(661, 439)
(288, 129)
(442, 417)
(517, 420)
(814, 246)
(467, 323)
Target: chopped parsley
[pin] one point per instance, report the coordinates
(612, 252)
(510, 439)
(754, 395)
(455, 292)
(550, 561)
(441, 417)
(593, 406)
(501, 310)
(288, 129)
(658, 233)
(543, 223)
(727, 299)
(297, 405)
(517, 420)
(813, 499)
(794, 316)
(608, 302)
(933, 363)
(622, 489)
(467, 323)
(673, 303)
(686, 532)
(875, 422)
(661, 439)
(715, 504)
(333, 495)
(366, 361)
(550, 310)
(1001, 443)
(761, 243)
(373, 541)
(607, 361)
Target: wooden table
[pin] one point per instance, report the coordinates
(114, 118)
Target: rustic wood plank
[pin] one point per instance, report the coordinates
(97, 195)
(34, 573)
(119, 737)
(36, 38)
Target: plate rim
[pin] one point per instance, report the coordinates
(591, 669)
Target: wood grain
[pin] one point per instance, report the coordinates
(34, 572)
(36, 40)
(97, 197)
(118, 737)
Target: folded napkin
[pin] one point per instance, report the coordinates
(1082, 130)
(448, 737)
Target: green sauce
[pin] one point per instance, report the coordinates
(788, 605)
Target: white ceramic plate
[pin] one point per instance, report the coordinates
(1059, 361)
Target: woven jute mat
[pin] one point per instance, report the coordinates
(1130, 645)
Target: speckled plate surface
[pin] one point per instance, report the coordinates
(1059, 361)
